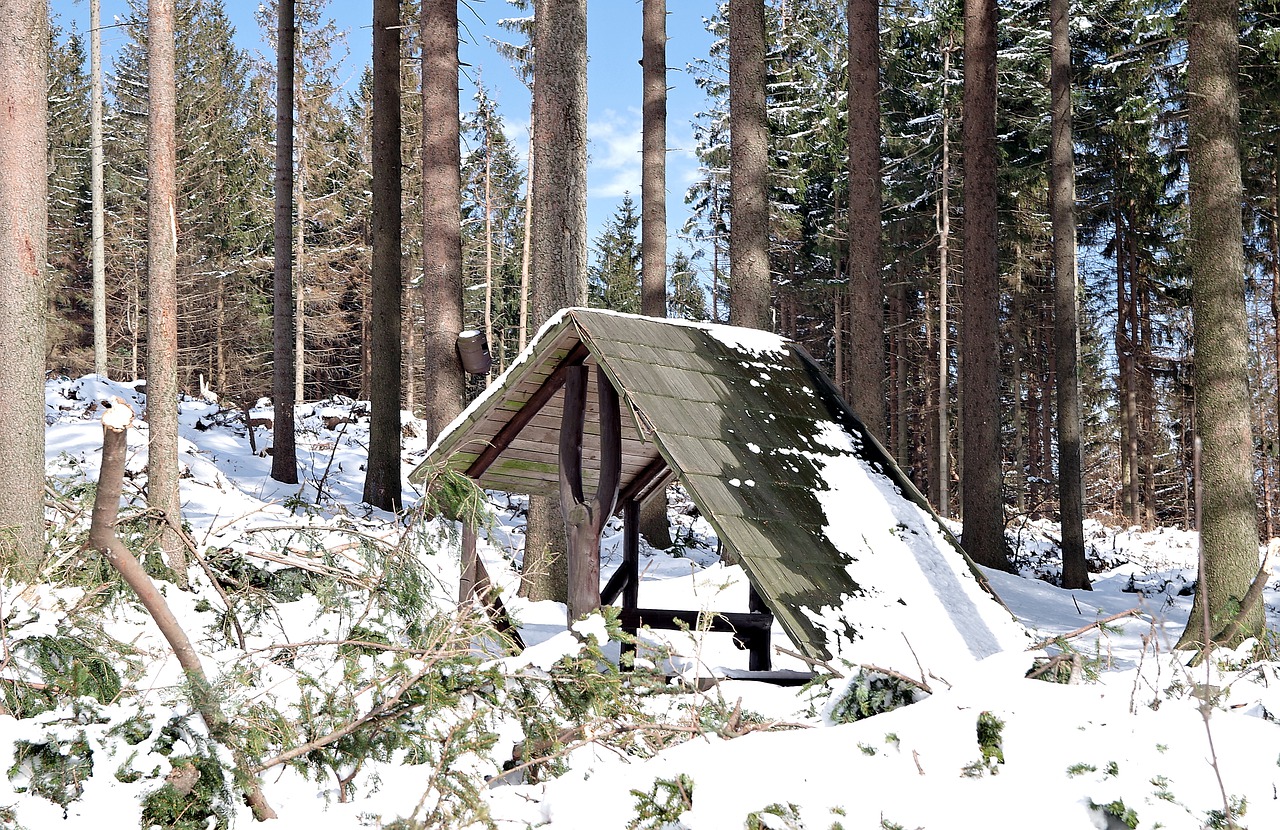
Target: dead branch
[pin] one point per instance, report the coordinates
(1084, 629)
(821, 664)
(102, 536)
(1250, 602)
(379, 711)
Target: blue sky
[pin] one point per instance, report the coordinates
(614, 81)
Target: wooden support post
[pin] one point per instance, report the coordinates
(631, 569)
(758, 645)
(584, 521)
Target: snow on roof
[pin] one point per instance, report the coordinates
(831, 533)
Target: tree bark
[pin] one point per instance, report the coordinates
(866, 284)
(980, 338)
(24, 51)
(1228, 524)
(162, 286)
(102, 537)
(1066, 315)
(654, 525)
(96, 186)
(382, 477)
(284, 458)
(749, 283)
(559, 226)
(441, 228)
(653, 182)
(944, 324)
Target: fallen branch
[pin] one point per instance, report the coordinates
(102, 536)
(1250, 602)
(1084, 629)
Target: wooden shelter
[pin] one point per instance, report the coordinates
(836, 542)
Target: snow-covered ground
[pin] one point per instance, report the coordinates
(1141, 741)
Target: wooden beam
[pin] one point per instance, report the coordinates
(724, 622)
(537, 400)
(643, 482)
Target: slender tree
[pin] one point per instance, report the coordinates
(559, 227)
(1062, 209)
(284, 457)
(24, 50)
(653, 181)
(162, 286)
(749, 279)
(866, 286)
(382, 477)
(441, 230)
(980, 335)
(98, 220)
(1228, 522)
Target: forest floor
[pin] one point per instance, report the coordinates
(333, 628)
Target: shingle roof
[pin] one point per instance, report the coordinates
(843, 549)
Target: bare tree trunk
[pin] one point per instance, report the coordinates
(654, 524)
(559, 225)
(944, 351)
(1229, 533)
(441, 228)
(300, 260)
(24, 54)
(382, 477)
(284, 458)
(749, 283)
(162, 287)
(980, 340)
(102, 537)
(866, 284)
(653, 183)
(1066, 315)
(98, 221)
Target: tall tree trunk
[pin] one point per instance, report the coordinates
(1228, 524)
(300, 259)
(162, 287)
(944, 324)
(654, 524)
(441, 228)
(96, 186)
(653, 182)
(866, 284)
(749, 284)
(980, 341)
(559, 267)
(24, 54)
(382, 477)
(1066, 314)
(284, 458)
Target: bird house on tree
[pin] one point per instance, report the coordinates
(839, 547)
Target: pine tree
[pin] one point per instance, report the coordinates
(614, 281)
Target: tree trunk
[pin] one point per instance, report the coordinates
(559, 225)
(944, 324)
(24, 51)
(162, 287)
(866, 285)
(102, 537)
(1229, 534)
(284, 458)
(382, 477)
(653, 182)
(980, 339)
(749, 284)
(654, 525)
(98, 220)
(441, 228)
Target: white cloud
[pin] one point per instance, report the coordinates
(614, 142)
